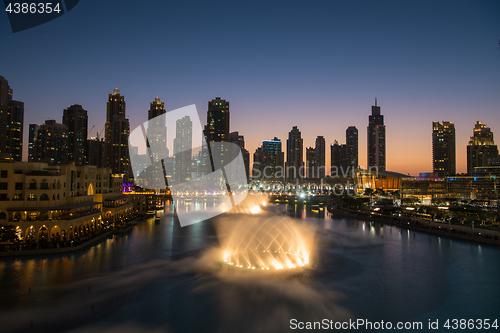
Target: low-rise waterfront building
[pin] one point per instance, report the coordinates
(59, 202)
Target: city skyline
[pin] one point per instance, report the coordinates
(423, 66)
(148, 115)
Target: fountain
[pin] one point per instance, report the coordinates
(260, 242)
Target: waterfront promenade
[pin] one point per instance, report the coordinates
(481, 235)
(28, 249)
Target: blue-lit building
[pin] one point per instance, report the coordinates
(271, 161)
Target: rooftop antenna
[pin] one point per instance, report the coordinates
(375, 101)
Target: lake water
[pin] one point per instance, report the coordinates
(153, 280)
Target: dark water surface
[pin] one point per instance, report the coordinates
(150, 280)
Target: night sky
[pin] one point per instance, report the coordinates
(317, 65)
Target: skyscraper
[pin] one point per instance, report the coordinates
(116, 135)
(351, 142)
(257, 164)
(376, 139)
(183, 145)
(96, 152)
(76, 120)
(157, 130)
(239, 140)
(338, 160)
(344, 158)
(319, 157)
(481, 147)
(311, 168)
(51, 144)
(218, 120)
(11, 123)
(294, 156)
(443, 149)
(33, 129)
(272, 160)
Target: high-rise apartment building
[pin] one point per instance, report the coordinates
(239, 140)
(117, 131)
(351, 142)
(376, 139)
(311, 168)
(33, 129)
(218, 120)
(51, 144)
(272, 160)
(444, 149)
(481, 147)
(11, 122)
(96, 152)
(183, 146)
(157, 131)
(257, 164)
(344, 158)
(294, 169)
(338, 158)
(319, 157)
(76, 120)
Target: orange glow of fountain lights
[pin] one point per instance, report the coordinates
(264, 245)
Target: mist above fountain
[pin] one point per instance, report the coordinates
(266, 243)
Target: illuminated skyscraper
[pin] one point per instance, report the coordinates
(351, 143)
(338, 160)
(257, 164)
(272, 160)
(33, 129)
(344, 158)
(481, 147)
(319, 158)
(183, 145)
(218, 120)
(51, 144)
(75, 118)
(311, 168)
(376, 139)
(239, 140)
(157, 130)
(294, 156)
(443, 149)
(116, 135)
(11, 123)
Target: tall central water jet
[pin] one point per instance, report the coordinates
(264, 243)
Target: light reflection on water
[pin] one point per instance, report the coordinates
(382, 271)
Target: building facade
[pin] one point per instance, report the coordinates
(11, 122)
(51, 144)
(481, 148)
(62, 202)
(294, 168)
(444, 149)
(376, 139)
(319, 158)
(239, 140)
(76, 120)
(218, 120)
(351, 139)
(117, 131)
(183, 147)
(33, 130)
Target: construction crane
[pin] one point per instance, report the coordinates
(88, 133)
(99, 135)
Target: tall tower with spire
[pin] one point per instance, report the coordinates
(376, 139)
(117, 131)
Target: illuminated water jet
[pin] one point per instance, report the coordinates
(264, 243)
